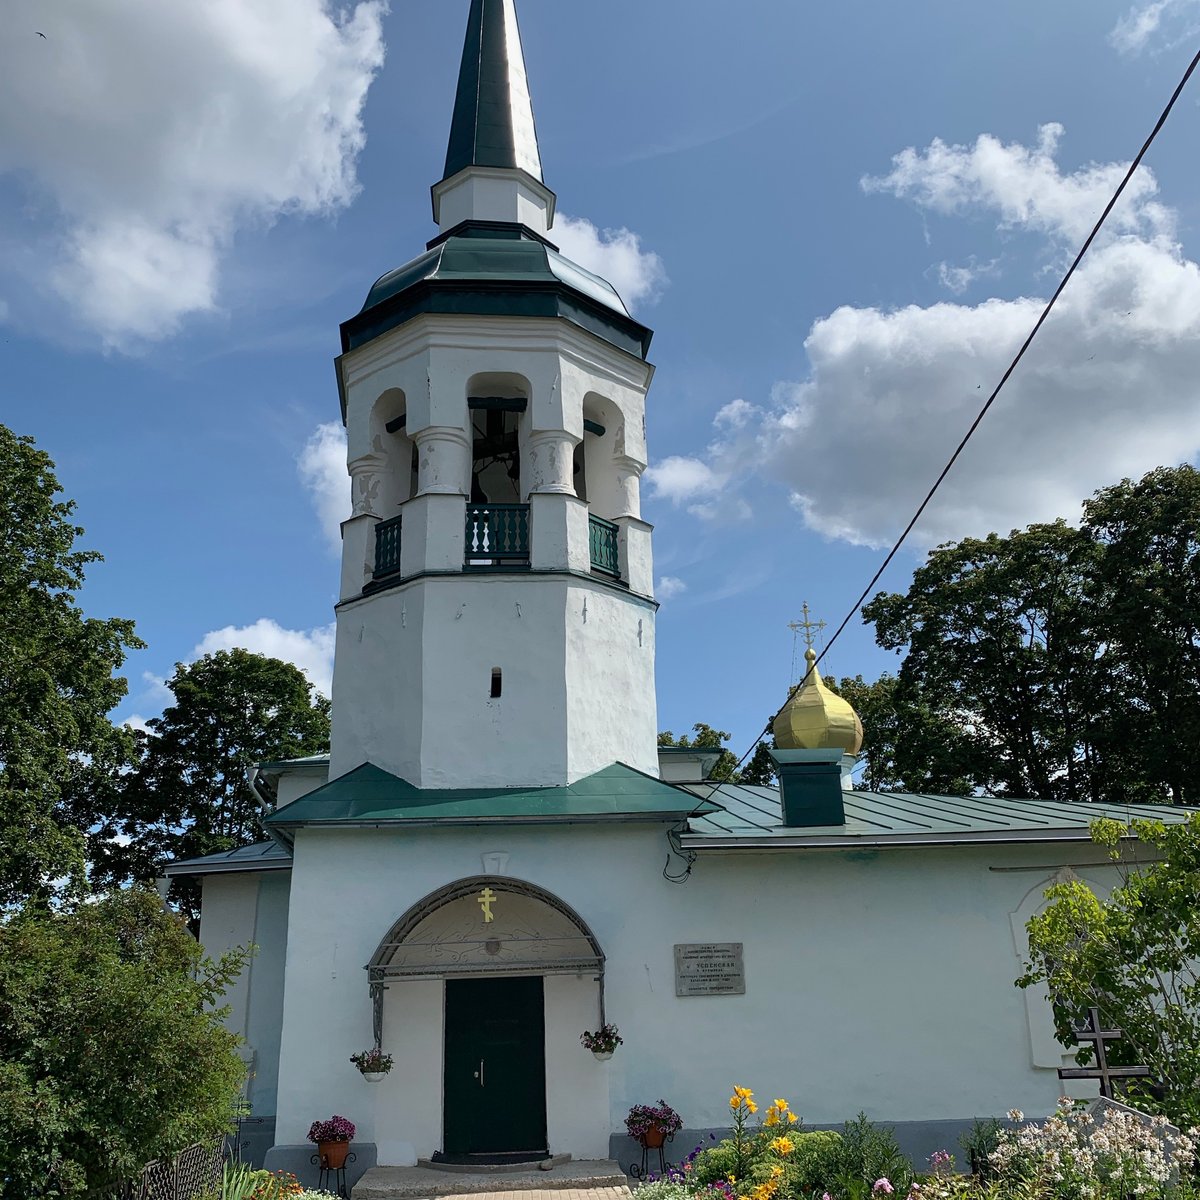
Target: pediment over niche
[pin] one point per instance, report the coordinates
(448, 934)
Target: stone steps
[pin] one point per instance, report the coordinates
(596, 1180)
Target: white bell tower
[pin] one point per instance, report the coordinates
(496, 620)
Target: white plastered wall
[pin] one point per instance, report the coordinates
(878, 982)
(412, 687)
(245, 909)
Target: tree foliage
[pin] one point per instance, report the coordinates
(111, 1053)
(1134, 956)
(57, 683)
(758, 769)
(189, 795)
(1056, 662)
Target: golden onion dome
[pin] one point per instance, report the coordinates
(816, 719)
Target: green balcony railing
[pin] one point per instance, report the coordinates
(603, 544)
(497, 535)
(387, 547)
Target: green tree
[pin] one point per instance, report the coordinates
(999, 683)
(111, 1052)
(758, 769)
(1134, 956)
(1057, 662)
(189, 795)
(57, 683)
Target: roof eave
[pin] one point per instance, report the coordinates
(654, 818)
(1024, 837)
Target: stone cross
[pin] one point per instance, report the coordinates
(1095, 1033)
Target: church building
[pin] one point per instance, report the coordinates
(496, 857)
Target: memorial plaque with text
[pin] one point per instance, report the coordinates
(710, 969)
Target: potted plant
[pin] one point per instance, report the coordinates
(653, 1124)
(602, 1042)
(373, 1064)
(333, 1138)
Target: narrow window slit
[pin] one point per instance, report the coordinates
(497, 683)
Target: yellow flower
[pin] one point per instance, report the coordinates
(752, 1107)
(782, 1105)
(792, 1118)
(734, 1101)
(783, 1146)
(776, 1171)
(772, 1117)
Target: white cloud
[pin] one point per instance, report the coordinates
(615, 255)
(311, 650)
(147, 134)
(141, 724)
(957, 279)
(1024, 187)
(1173, 19)
(679, 479)
(322, 465)
(668, 587)
(736, 415)
(1108, 389)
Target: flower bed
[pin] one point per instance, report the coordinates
(1069, 1156)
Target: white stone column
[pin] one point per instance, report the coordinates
(432, 535)
(551, 462)
(358, 554)
(365, 484)
(444, 458)
(636, 554)
(629, 490)
(558, 519)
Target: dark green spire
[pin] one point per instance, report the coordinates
(493, 116)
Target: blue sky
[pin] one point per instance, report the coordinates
(838, 218)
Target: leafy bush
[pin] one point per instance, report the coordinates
(869, 1153)
(111, 1055)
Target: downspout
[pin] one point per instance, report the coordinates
(268, 802)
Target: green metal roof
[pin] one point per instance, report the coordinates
(264, 856)
(496, 271)
(493, 122)
(750, 817)
(372, 796)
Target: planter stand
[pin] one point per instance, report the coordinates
(654, 1140)
(338, 1173)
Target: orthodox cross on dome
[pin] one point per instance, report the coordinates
(808, 629)
(1094, 1032)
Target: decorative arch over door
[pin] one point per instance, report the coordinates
(484, 925)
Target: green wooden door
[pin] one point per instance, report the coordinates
(495, 1067)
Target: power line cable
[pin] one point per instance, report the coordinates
(1066, 279)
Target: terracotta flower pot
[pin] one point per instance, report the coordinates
(333, 1154)
(653, 1137)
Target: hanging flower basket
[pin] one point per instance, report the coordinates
(373, 1064)
(602, 1042)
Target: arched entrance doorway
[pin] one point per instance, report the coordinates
(491, 943)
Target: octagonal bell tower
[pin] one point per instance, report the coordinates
(496, 620)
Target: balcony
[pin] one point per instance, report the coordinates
(387, 548)
(602, 542)
(497, 536)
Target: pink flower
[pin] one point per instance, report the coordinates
(884, 1186)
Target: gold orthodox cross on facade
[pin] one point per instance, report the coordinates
(485, 900)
